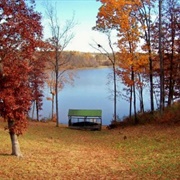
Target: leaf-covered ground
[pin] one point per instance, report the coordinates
(139, 152)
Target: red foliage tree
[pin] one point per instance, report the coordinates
(20, 36)
(37, 79)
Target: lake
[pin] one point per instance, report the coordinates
(90, 90)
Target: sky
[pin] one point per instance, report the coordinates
(85, 12)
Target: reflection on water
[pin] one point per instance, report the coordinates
(90, 91)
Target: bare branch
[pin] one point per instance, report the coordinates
(61, 35)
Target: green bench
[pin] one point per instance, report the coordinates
(85, 119)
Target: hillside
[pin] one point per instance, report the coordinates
(135, 152)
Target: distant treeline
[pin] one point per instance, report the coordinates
(83, 59)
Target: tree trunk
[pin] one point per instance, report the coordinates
(115, 92)
(14, 140)
(134, 98)
(130, 103)
(56, 85)
(171, 84)
(161, 60)
(52, 117)
(147, 21)
(151, 83)
(57, 113)
(141, 99)
(37, 110)
(33, 107)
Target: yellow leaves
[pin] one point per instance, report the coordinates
(118, 14)
(144, 27)
(132, 62)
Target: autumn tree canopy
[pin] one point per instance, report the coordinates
(20, 37)
(153, 27)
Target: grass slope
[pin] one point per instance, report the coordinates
(138, 152)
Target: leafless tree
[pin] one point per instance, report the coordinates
(61, 35)
(113, 60)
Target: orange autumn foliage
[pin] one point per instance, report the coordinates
(118, 15)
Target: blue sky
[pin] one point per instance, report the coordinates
(85, 15)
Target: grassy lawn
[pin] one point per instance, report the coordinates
(138, 152)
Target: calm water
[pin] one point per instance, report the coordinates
(90, 91)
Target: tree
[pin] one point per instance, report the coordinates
(120, 15)
(134, 20)
(60, 38)
(171, 36)
(51, 84)
(113, 61)
(37, 78)
(144, 16)
(166, 42)
(20, 36)
(161, 59)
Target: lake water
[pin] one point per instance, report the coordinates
(90, 91)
